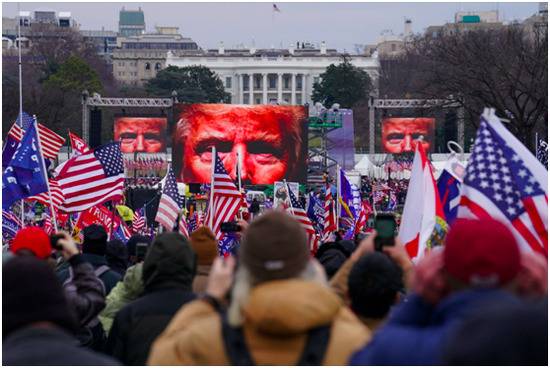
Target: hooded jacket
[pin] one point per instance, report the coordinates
(277, 318)
(168, 272)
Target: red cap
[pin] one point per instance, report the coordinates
(481, 252)
(34, 239)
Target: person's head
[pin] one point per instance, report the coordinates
(332, 255)
(508, 332)
(374, 284)
(137, 248)
(141, 134)
(274, 247)
(480, 253)
(399, 134)
(267, 139)
(117, 253)
(95, 240)
(204, 243)
(32, 240)
(170, 263)
(31, 294)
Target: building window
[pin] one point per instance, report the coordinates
(272, 81)
(298, 99)
(157, 66)
(227, 82)
(257, 81)
(147, 66)
(286, 80)
(393, 47)
(246, 99)
(258, 101)
(246, 81)
(299, 82)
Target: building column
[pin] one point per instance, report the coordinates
(264, 85)
(280, 88)
(240, 88)
(303, 88)
(251, 89)
(293, 90)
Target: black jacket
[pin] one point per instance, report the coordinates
(48, 346)
(109, 278)
(168, 272)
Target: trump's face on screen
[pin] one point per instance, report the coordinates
(399, 134)
(266, 138)
(141, 134)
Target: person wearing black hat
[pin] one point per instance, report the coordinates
(94, 249)
(37, 324)
(167, 275)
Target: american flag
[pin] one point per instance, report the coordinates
(48, 226)
(50, 141)
(505, 181)
(57, 195)
(170, 203)
(361, 220)
(192, 222)
(330, 222)
(12, 217)
(183, 228)
(298, 212)
(93, 178)
(226, 199)
(138, 223)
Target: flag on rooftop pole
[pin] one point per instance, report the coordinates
(25, 175)
(225, 197)
(448, 186)
(298, 212)
(423, 222)
(92, 178)
(505, 181)
(170, 203)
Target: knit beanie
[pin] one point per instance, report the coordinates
(274, 247)
(205, 245)
(33, 239)
(481, 252)
(32, 293)
(95, 240)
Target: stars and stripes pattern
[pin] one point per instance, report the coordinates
(12, 217)
(542, 152)
(330, 221)
(138, 223)
(505, 181)
(57, 197)
(170, 203)
(48, 226)
(93, 178)
(182, 227)
(50, 141)
(361, 220)
(226, 199)
(299, 213)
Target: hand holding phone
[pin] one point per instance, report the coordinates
(385, 227)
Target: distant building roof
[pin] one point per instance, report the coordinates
(98, 33)
(131, 18)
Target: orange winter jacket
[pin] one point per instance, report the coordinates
(277, 319)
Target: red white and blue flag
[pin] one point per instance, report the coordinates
(183, 228)
(138, 223)
(505, 181)
(299, 213)
(170, 203)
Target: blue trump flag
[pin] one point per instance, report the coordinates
(448, 185)
(24, 176)
(316, 213)
(346, 197)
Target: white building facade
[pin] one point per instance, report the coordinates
(264, 76)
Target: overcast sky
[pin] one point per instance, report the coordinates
(341, 25)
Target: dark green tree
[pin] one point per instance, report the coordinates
(192, 83)
(343, 83)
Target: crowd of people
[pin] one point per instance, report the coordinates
(173, 301)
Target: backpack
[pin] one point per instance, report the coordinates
(238, 353)
(91, 333)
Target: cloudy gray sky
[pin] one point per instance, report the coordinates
(341, 25)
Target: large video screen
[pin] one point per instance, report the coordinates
(399, 134)
(141, 134)
(271, 141)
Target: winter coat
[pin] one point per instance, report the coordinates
(168, 272)
(123, 293)
(416, 331)
(277, 318)
(86, 298)
(109, 278)
(48, 346)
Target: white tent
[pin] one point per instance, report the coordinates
(364, 165)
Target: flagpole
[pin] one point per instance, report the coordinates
(21, 98)
(288, 191)
(338, 204)
(54, 217)
(211, 205)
